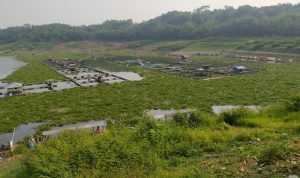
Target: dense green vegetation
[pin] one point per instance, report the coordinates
(126, 101)
(33, 71)
(174, 46)
(291, 45)
(195, 145)
(239, 143)
(280, 20)
(287, 45)
(13, 169)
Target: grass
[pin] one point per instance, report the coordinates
(215, 44)
(187, 145)
(33, 71)
(283, 45)
(273, 45)
(158, 90)
(276, 152)
(13, 169)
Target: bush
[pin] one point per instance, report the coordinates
(257, 47)
(294, 104)
(276, 152)
(83, 154)
(245, 136)
(297, 130)
(181, 119)
(149, 131)
(191, 120)
(237, 117)
(198, 120)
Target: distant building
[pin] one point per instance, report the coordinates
(238, 69)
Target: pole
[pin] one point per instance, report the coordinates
(12, 140)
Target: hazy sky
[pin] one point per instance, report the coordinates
(79, 12)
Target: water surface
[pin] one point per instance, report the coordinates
(8, 65)
(21, 132)
(78, 126)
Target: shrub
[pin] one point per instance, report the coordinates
(237, 117)
(83, 154)
(149, 131)
(198, 120)
(181, 119)
(192, 120)
(297, 130)
(257, 47)
(276, 152)
(245, 136)
(294, 104)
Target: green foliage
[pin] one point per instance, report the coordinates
(181, 119)
(279, 20)
(294, 104)
(33, 72)
(297, 129)
(192, 120)
(129, 100)
(153, 148)
(243, 137)
(143, 43)
(237, 117)
(276, 152)
(156, 149)
(86, 155)
(287, 110)
(14, 169)
(275, 44)
(174, 46)
(117, 152)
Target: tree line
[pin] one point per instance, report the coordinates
(245, 21)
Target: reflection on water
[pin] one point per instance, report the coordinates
(20, 133)
(8, 65)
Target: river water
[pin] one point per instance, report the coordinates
(25, 130)
(8, 65)
(20, 133)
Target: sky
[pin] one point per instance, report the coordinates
(86, 12)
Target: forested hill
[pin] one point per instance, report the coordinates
(279, 20)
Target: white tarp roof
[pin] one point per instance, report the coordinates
(14, 85)
(163, 114)
(221, 109)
